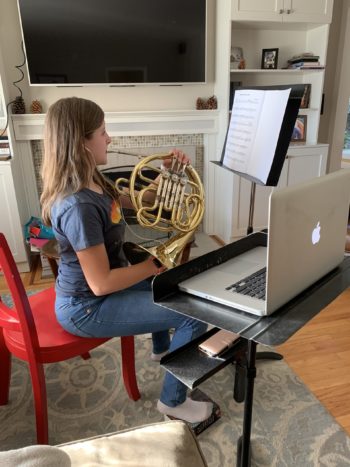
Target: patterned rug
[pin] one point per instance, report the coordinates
(86, 398)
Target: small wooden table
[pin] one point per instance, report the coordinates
(51, 251)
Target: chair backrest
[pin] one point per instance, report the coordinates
(19, 317)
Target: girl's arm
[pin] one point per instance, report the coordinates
(102, 280)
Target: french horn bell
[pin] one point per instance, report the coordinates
(178, 205)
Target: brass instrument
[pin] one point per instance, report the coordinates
(177, 205)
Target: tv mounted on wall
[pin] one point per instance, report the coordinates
(115, 42)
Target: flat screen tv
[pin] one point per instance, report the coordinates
(115, 42)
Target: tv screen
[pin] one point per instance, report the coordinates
(74, 42)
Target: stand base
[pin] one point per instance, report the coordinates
(268, 356)
(239, 454)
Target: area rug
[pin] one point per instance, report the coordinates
(87, 398)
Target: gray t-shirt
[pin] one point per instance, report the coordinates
(80, 221)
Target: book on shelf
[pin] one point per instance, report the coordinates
(304, 64)
(304, 55)
(301, 58)
(320, 67)
(4, 146)
(4, 150)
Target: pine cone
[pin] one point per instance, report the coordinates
(19, 107)
(212, 103)
(36, 107)
(200, 104)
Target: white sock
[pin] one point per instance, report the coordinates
(157, 356)
(191, 411)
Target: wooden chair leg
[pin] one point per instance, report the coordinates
(5, 371)
(35, 261)
(85, 356)
(40, 402)
(128, 366)
(186, 252)
(53, 265)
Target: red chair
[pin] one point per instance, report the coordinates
(29, 330)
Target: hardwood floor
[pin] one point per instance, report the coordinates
(319, 353)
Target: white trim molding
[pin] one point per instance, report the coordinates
(31, 127)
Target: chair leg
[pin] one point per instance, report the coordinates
(128, 366)
(85, 356)
(40, 401)
(5, 371)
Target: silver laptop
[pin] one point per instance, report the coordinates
(306, 240)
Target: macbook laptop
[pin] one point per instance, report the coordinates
(306, 240)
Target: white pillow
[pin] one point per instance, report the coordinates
(35, 456)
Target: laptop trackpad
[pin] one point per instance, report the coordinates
(245, 263)
(225, 274)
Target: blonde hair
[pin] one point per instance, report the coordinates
(68, 166)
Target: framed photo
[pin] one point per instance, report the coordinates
(305, 101)
(299, 131)
(269, 59)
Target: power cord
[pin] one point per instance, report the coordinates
(19, 68)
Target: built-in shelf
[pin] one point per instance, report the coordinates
(279, 70)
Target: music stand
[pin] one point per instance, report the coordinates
(188, 363)
(274, 169)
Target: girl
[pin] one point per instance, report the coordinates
(98, 294)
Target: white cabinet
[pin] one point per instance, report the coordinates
(294, 27)
(10, 223)
(302, 163)
(313, 11)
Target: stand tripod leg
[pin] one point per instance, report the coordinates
(268, 356)
(243, 444)
(240, 380)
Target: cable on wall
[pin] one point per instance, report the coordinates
(18, 102)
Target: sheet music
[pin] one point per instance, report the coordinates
(255, 125)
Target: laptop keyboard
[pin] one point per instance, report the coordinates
(253, 285)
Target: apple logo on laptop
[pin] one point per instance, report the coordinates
(316, 235)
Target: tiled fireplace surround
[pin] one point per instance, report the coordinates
(143, 145)
(146, 132)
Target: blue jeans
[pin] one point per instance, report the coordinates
(130, 312)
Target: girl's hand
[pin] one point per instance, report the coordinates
(151, 262)
(177, 154)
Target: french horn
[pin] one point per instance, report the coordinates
(178, 205)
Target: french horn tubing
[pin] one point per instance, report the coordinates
(178, 204)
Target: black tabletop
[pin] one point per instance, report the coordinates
(270, 330)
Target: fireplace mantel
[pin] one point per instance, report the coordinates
(30, 126)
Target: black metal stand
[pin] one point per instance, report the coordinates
(251, 208)
(192, 366)
(243, 444)
(260, 355)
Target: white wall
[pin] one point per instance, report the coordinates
(337, 84)
(143, 97)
